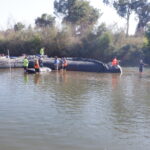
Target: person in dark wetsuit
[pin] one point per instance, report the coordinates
(141, 66)
(40, 62)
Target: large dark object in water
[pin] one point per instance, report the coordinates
(83, 64)
(74, 64)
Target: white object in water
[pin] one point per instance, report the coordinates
(45, 69)
(120, 68)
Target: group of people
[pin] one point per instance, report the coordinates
(60, 63)
(37, 64)
(115, 62)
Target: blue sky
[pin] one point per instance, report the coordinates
(26, 11)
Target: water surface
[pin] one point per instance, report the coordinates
(74, 110)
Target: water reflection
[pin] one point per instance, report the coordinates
(74, 110)
(115, 80)
(26, 78)
(37, 78)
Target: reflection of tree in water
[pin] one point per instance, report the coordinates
(124, 106)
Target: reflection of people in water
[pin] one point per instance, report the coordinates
(36, 78)
(26, 78)
(115, 78)
(63, 76)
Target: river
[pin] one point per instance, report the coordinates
(74, 110)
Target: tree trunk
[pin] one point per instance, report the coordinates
(128, 19)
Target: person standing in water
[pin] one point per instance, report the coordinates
(64, 63)
(40, 62)
(25, 64)
(42, 51)
(56, 63)
(115, 62)
(141, 66)
(36, 66)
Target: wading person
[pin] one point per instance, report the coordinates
(36, 66)
(64, 63)
(56, 63)
(115, 62)
(141, 66)
(25, 64)
(42, 51)
(40, 62)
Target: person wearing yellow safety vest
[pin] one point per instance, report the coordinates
(42, 51)
(25, 64)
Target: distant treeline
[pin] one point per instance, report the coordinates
(78, 35)
(101, 44)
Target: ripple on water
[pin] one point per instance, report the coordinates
(74, 110)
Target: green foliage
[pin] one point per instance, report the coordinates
(77, 12)
(19, 26)
(125, 8)
(146, 48)
(45, 21)
(142, 10)
(100, 44)
(147, 34)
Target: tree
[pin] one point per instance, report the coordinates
(147, 34)
(19, 26)
(143, 12)
(79, 13)
(45, 21)
(146, 48)
(125, 8)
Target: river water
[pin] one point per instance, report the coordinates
(74, 110)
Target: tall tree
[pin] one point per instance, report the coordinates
(148, 36)
(143, 12)
(19, 26)
(77, 12)
(125, 8)
(45, 21)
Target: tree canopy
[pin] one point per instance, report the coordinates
(19, 26)
(126, 7)
(77, 12)
(45, 21)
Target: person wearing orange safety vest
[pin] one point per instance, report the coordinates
(64, 63)
(37, 66)
(115, 62)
